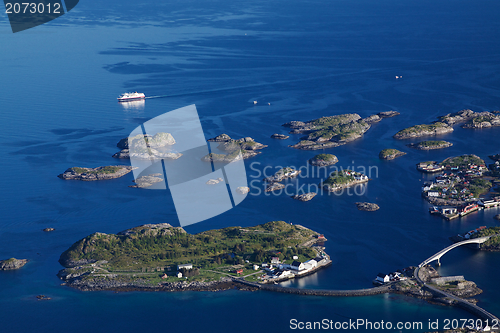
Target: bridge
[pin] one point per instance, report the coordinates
(478, 311)
(460, 302)
(441, 253)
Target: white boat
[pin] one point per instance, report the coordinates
(131, 97)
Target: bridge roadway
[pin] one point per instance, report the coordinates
(473, 308)
(441, 253)
(478, 311)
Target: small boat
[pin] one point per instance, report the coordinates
(125, 97)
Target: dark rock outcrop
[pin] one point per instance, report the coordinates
(388, 114)
(12, 263)
(305, 196)
(280, 136)
(390, 154)
(274, 187)
(147, 181)
(367, 206)
(220, 138)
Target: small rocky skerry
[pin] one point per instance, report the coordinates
(390, 154)
(12, 263)
(323, 160)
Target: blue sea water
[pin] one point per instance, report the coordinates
(308, 59)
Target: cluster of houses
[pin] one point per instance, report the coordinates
(281, 271)
(455, 185)
(454, 212)
(469, 234)
(430, 167)
(282, 174)
(387, 278)
(179, 268)
(357, 175)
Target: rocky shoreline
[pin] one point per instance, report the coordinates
(367, 206)
(304, 197)
(423, 130)
(390, 154)
(123, 285)
(430, 145)
(93, 174)
(146, 147)
(444, 124)
(247, 147)
(12, 263)
(333, 131)
(323, 160)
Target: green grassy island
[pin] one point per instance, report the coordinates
(150, 255)
(390, 154)
(430, 145)
(423, 130)
(99, 173)
(332, 131)
(339, 180)
(323, 160)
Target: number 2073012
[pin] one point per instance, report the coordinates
(32, 8)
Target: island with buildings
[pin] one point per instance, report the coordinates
(165, 258)
(340, 180)
(462, 188)
(492, 244)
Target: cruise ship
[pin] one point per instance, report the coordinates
(131, 97)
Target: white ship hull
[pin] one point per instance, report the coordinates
(131, 97)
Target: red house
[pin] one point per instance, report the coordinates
(239, 271)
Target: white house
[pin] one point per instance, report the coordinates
(275, 260)
(185, 266)
(282, 274)
(297, 265)
(449, 210)
(433, 194)
(179, 275)
(295, 257)
(255, 267)
(312, 262)
(383, 278)
(360, 177)
(427, 187)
